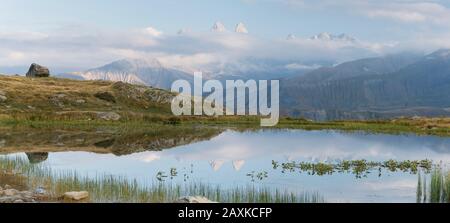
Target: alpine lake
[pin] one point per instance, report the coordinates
(230, 165)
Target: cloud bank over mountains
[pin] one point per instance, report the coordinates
(87, 47)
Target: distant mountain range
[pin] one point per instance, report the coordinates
(373, 88)
(153, 73)
(404, 84)
(134, 71)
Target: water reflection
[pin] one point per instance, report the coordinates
(37, 157)
(227, 158)
(116, 142)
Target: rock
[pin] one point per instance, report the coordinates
(80, 101)
(10, 192)
(18, 201)
(60, 95)
(37, 157)
(3, 98)
(108, 116)
(37, 70)
(106, 96)
(76, 195)
(193, 200)
(7, 187)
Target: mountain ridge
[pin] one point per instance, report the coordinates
(419, 88)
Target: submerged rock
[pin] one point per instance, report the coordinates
(37, 70)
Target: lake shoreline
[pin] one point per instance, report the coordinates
(419, 126)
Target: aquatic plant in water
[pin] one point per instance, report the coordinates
(360, 168)
(258, 175)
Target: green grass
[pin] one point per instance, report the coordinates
(237, 123)
(109, 188)
(52, 103)
(439, 187)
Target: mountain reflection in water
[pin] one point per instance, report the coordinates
(228, 158)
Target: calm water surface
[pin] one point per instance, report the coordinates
(228, 158)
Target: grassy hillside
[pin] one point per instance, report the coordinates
(49, 103)
(65, 99)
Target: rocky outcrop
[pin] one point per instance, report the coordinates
(137, 94)
(37, 70)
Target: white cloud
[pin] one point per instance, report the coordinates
(405, 16)
(413, 12)
(153, 32)
(16, 55)
(409, 11)
(298, 66)
(88, 47)
(146, 157)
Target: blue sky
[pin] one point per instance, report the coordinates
(271, 18)
(58, 25)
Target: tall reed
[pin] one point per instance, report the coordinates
(108, 188)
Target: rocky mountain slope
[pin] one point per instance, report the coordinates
(372, 88)
(134, 71)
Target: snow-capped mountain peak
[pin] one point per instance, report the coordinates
(137, 71)
(240, 28)
(218, 27)
(322, 36)
(345, 37)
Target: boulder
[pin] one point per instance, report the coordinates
(76, 195)
(105, 96)
(37, 70)
(10, 192)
